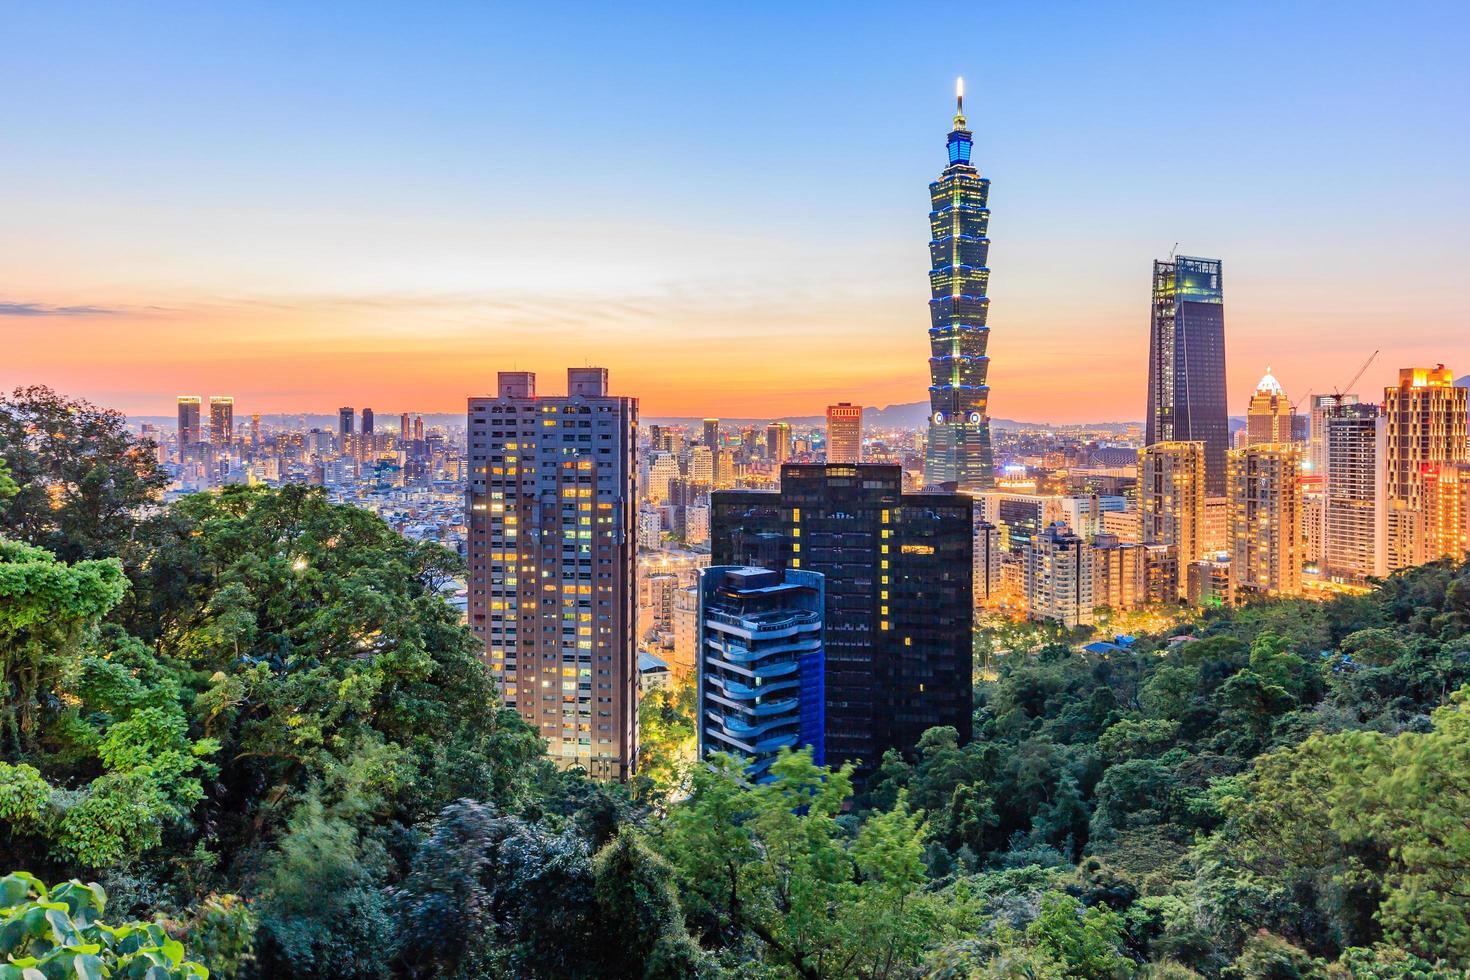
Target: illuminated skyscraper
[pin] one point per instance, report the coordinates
(1265, 496)
(188, 420)
(1269, 417)
(958, 449)
(553, 526)
(221, 419)
(405, 428)
(1426, 420)
(844, 433)
(1186, 362)
(1353, 545)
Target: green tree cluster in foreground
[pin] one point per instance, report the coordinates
(249, 723)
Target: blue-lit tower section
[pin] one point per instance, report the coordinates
(959, 426)
(761, 664)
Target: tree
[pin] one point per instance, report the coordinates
(54, 932)
(83, 479)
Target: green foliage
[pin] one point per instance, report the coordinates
(665, 742)
(56, 932)
(81, 478)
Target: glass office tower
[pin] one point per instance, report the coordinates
(1186, 362)
(959, 427)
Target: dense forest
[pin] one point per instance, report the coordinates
(245, 733)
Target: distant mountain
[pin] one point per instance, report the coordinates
(1463, 382)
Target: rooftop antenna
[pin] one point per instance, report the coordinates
(959, 102)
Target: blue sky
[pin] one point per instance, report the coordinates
(409, 196)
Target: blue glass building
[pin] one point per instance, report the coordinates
(959, 427)
(761, 664)
(1186, 362)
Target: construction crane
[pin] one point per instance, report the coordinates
(1337, 394)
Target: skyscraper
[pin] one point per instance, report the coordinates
(1425, 417)
(405, 429)
(1269, 417)
(760, 659)
(1059, 577)
(897, 568)
(552, 547)
(188, 420)
(366, 447)
(778, 442)
(346, 426)
(1321, 407)
(844, 433)
(1353, 545)
(1186, 362)
(1171, 499)
(958, 449)
(221, 419)
(1266, 518)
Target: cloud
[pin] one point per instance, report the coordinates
(45, 309)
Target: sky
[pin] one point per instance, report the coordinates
(312, 205)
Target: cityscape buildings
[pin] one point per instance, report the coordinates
(188, 425)
(1059, 577)
(221, 420)
(551, 507)
(959, 450)
(761, 667)
(1186, 367)
(897, 570)
(1354, 517)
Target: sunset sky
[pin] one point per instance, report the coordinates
(307, 205)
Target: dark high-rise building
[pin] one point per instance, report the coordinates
(959, 426)
(552, 520)
(188, 420)
(1186, 362)
(346, 424)
(898, 594)
(365, 443)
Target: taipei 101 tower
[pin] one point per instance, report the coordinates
(959, 426)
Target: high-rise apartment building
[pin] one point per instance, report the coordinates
(1186, 366)
(1266, 518)
(552, 524)
(1353, 512)
(1171, 498)
(1119, 577)
(1425, 420)
(1270, 416)
(761, 665)
(958, 449)
(898, 594)
(1447, 511)
(987, 561)
(221, 419)
(662, 468)
(189, 432)
(1059, 577)
(844, 433)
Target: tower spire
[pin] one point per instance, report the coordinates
(959, 103)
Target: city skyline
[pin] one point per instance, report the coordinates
(389, 236)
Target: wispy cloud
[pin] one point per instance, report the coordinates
(46, 309)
